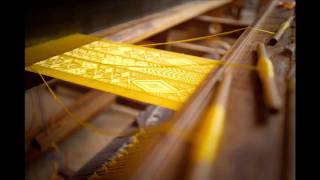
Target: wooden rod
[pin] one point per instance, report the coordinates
(266, 74)
(207, 140)
(283, 27)
(86, 107)
(200, 48)
(222, 20)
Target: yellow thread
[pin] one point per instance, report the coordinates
(209, 138)
(93, 66)
(162, 127)
(262, 30)
(285, 25)
(161, 86)
(265, 68)
(207, 37)
(93, 128)
(76, 118)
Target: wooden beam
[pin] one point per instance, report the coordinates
(125, 109)
(69, 92)
(143, 28)
(201, 48)
(251, 134)
(222, 20)
(85, 108)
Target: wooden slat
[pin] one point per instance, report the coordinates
(65, 91)
(201, 48)
(222, 20)
(140, 29)
(125, 109)
(85, 108)
(253, 142)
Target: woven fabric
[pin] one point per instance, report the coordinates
(145, 74)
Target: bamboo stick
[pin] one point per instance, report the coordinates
(207, 140)
(283, 27)
(266, 74)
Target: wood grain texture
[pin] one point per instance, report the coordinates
(143, 28)
(253, 142)
(85, 108)
(222, 20)
(200, 48)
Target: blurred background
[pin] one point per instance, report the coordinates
(50, 19)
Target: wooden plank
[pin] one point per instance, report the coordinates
(37, 116)
(140, 29)
(126, 110)
(253, 141)
(85, 108)
(150, 117)
(69, 92)
(83, 145)
(62, 125)
(201, 48)
(222, 20)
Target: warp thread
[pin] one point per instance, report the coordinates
(209, 36)
(100, 131)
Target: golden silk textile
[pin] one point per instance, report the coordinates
(154, 76)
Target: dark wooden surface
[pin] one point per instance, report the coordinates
(252, 146)
(253, 142)
(152, 116)
(50, 19)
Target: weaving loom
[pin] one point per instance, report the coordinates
(194, 106)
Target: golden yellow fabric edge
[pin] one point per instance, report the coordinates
(103, 86)
(54, 47)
